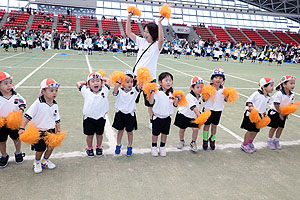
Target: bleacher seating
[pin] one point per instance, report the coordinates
(268, 36)
(112, 26)
(2, 12)
(60, 21)
(203, 32)
(86, 23)
(40, 19)
(283, 36)
(220, 33)
(134, 27)
(254, 36)
(296, 36)
(238, 35)
(174, 24)
(21, 19)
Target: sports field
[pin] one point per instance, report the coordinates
(226, 173)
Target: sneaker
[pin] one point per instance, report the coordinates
(205, 145)
(154, 151)
(37, 167)
(4, 161)
(129, 151)
(251, 145)
(180, 145)
(162, 151)
(246, 148)
(99, 152)
(90, 153)
(212, 144)
(270, 144)
(118, 150)
(193, 146)
(276, 144)
(47, 164)
(19, 158)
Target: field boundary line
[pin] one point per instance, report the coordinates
(11, 56)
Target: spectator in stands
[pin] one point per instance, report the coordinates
(68, 12)
(115, 18)
(103, 17)
(12, 19)
(56, 38)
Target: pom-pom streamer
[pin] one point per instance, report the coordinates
(232, 94)
(263, 122)
(101, 72)
(165, 11)
(14, 120)
(291, 108)
(148, 87)
(182, 102)
(31, 134)
(53, 140)
(208, 91)
(254, 116)
(202, 118)
(2, 122)
(134, 11)
(143, 76)
(117, 76)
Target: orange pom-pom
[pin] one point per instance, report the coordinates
(291, 108)
(117, 76)
(101, 72)
(207, 92)
(254, 116)
(143, 76)
(263, 122)
(14, 120)
(31, 134)
(165, 11)
(148, 87)
(182, 102)
(202, 118)
(53, 140)
(134, 11)
(232, 94)
(2, 122)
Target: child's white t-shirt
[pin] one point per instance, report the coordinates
(163, 105)
(11, 104)
(126, 101)
(193, 102)
(259, 101)
(217, 104)
(282, 99)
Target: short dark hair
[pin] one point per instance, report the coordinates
(164, 75)
(153, 30)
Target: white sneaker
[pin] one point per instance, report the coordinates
(37, 167)
(180, 145)
(251, 145)
(162, 151)
(48, 164)
(246, 149)
(154, 151)
(276, 144)
(270, 144)
(193, 146)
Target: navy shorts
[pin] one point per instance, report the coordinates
(92, 126)
(275, 119)
(214, 118)
(247, 124)
(160, 125)
(41, 146)
(126, 121)
(5, 132)
(184, 122)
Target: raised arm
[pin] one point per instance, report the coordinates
(160, 33)
(80, 83)
(129, 33)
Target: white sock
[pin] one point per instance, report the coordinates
(269, 139)
(276, 139)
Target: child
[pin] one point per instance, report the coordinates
(259, 100)
(14, 44)
(163, 102)
(186, 115)
(126, 107)
(254, 55)
(227, 53)
(216, 107)
(45, 116)
(115, 48)
(23, 44)
(95, 108)
(10, 101)
(242, 56)
(261, 57)
(282, 97)
(279, 58)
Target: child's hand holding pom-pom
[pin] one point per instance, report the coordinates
(263, 122)
(31, 134)
(254, 116)
(291, 108)
(207, 92)
(231, 94)
(181, 98)
(150, 88)
(202, 118)
(14, 120)
(54, 139)
(143, 76)
(117, 76)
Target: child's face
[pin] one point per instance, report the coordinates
(95, 84)
(270, 88)
(197, 88)
(50, 93)
(290, 85)
(6, 85)
(217, 81)
(128, 83)
(166, 83)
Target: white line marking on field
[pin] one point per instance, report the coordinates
(29, 75)
(11, 56)
(109, 132)
(123, 62)
(108, 152)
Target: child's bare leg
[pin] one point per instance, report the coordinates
(89, 140)
(17, 145)
(3, 148)
(119, 137)
(181, 134)
(195, 134)
(164, 138)
(154, 139)
(130, 138)
(48, 152)
(99, 140)
(38, 155)
(278, 132)
(271, 132)
(213, 132)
